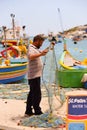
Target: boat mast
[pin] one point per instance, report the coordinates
(4, 29)
(13, 24)
(61, 24)
(24, 35)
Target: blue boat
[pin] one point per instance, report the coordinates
(13, 73)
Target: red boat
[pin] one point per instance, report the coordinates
(9, 42)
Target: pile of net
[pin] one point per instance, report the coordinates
(45, 121)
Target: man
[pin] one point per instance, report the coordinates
(34, 76)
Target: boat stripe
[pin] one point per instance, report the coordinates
(12, 75)
(17, 71)
(16, 65)
(12, 79)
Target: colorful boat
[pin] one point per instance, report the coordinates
(71, 71)
(14, 54)
(11, 52)
(12, 73)
(66, 60)
(9, 42)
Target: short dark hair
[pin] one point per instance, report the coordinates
(38, 38)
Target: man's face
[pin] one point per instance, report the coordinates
(39, 44)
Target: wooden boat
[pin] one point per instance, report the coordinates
(69, 62)
(66, 61)
(14, 54)
(13, 67)
(77, 38)
(8, 42)
(70, 73)
(11, 52)
(12, 73)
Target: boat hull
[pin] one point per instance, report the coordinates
(8, 42)
(14, 73)
(70, 78)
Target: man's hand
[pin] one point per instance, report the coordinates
(44, 52)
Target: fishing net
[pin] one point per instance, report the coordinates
(44, 121)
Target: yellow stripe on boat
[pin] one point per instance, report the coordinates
(12, 72)
(15, 65)
(61, 61)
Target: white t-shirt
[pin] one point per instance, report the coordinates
(35, 66)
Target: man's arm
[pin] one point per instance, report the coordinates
(42, 53)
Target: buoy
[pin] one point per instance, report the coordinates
(7, 62)
(80, 51)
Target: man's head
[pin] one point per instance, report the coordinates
(38, 40)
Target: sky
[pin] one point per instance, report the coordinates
(42, 16)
